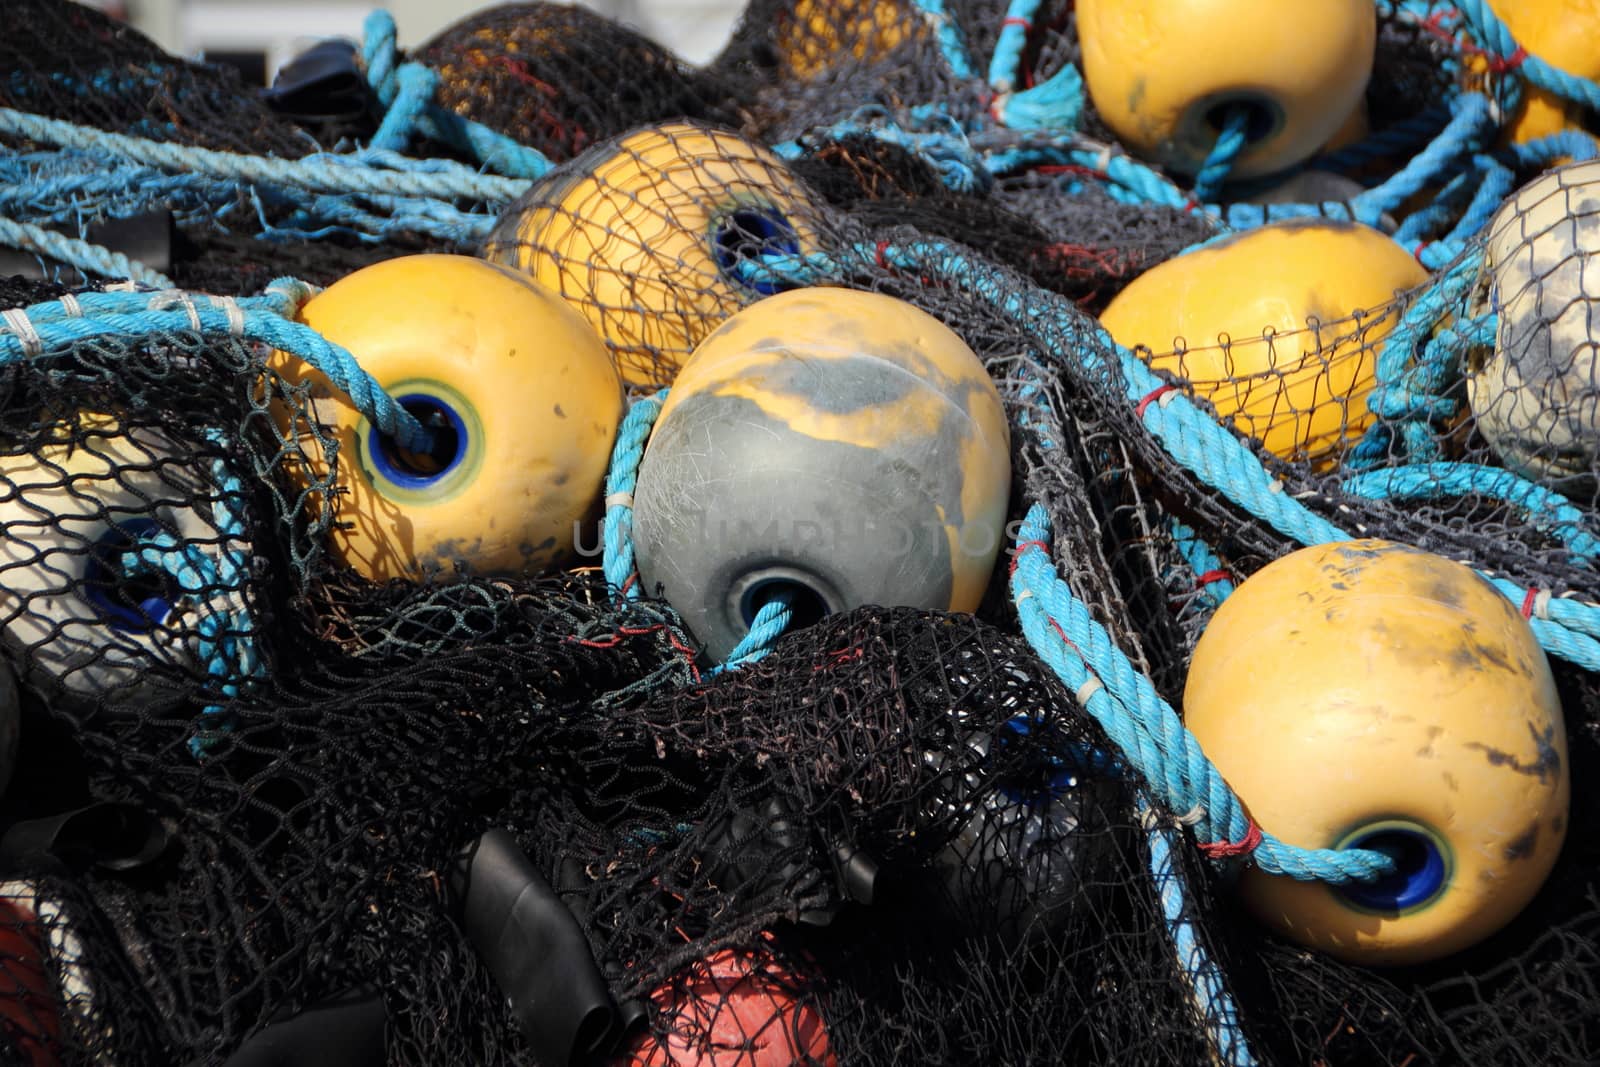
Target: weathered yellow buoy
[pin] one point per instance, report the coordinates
(840, 447)
(1164, 73)
(1367, 694)
(1536, 396)
(1232, 318)
(645, 236)
(523, 402)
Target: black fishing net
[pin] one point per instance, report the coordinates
(263, 806)
(560, 78)
(67, 61)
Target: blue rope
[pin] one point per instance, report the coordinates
(1546, 510)
(1055, 104)
(617, 562)
(1470, 127)
(1401, 137)
(1204, 976)
(265, 322)
(72, 185)
(1200, 558)
(1231, 141)
(622, 478)
(1006, 59)
(406, 91)
(1144, 727)
(769, 624)
(948, 33)
(89, 258)
(369, 172)
(1408, 392)
(1496, 37)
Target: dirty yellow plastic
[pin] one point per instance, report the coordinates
(1161, 73)
(532, 386)
(1300, 390)
(627, 233)
(1353, 685)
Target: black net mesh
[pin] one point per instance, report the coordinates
(560, 78)
(252, 786)
(68, 61)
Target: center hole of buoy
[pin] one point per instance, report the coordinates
(413, 467)
(1418, 876)
(806, 606)
(134, 597)
(747, 235)
(1260, 119)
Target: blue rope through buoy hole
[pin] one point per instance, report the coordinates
(130, 594)
(446, 446)
(747, 235)
(1419, 874)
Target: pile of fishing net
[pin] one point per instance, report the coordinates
(328, 746)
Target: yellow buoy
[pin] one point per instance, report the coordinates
(843, 448)
(1263, 325)
(522, 399)
(1367, 694)
(816, 33)
(646, 237)
(1163, 74)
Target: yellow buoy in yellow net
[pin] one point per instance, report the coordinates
(1264, 325)
(1163, 74)
(1563, 33)
(841, 448)
(517, 389)
(814, 34)
(1366, 694)
(646, 237)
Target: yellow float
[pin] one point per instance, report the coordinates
(840, 447)
(1367, 694)
(519, 393)
(1164, 73)
(1232, 319)
(815, 33)
(645, 237)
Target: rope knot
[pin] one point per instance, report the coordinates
(1219, 850)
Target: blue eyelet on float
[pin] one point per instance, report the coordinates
(131, 600)
(520, 395)
(1422, 870)
(453, 444)
(750, 232)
